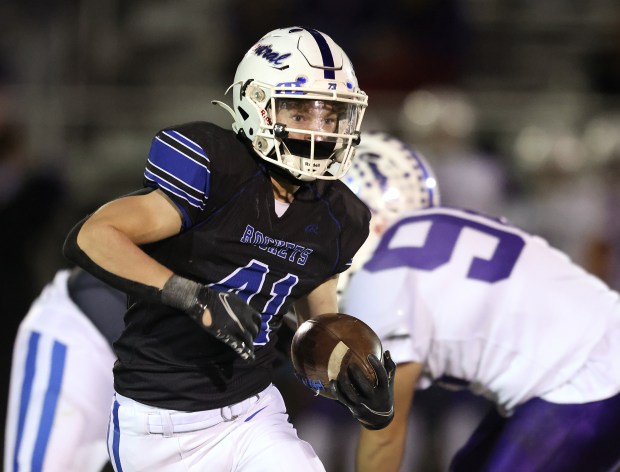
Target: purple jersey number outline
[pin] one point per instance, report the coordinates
(439, 246)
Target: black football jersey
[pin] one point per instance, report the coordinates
(231, 240)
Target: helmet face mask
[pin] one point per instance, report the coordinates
(296, 98)
(314, 135)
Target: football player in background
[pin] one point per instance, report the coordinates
(232, 230)
(61, 377)
(465, 300)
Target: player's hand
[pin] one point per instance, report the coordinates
(371, 404)
(233, 321)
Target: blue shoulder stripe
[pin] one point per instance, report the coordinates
(173, 189)
(184, 140)
(186, 187)
(154, 173)
(183, 167)
(170, 147)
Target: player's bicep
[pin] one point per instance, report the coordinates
(323, 299)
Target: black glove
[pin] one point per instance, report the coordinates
(233, 321)
(372, 405)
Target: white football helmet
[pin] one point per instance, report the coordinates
(293, 69)
(392, 179)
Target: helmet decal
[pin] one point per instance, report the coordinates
(270, 55)
(326, 53)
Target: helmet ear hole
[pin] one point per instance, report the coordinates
(243, 88)
(243, 113)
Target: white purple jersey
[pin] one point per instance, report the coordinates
(486, 305)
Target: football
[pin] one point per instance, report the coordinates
(323, 346)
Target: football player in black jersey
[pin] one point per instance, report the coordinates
(233, 229)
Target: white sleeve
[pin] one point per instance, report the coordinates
(389, 312)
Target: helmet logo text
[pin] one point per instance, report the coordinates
(265, 116)
(270, 55)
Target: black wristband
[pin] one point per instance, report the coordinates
(233, 321)
(186, 295)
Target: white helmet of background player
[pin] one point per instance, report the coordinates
(299, 68)
(392, 179)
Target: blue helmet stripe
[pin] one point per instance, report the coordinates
(326, 53)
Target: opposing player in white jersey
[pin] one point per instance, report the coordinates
(61, 377)
(466, 300)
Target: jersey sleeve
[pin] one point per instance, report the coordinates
(387, 302)
(355, 229)
(181, 169)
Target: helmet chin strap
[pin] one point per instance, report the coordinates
(283, 173)
(301, 147)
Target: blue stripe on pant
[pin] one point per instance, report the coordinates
(50, 401)
(114, 454)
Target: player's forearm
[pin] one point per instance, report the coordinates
(107, 243)
(385, 458)
(378, 451)
(323, 299)
(114, 252)
(113, 257)
(125, 268)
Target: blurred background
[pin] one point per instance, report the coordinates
(516, 103)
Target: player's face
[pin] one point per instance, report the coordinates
(311, 115)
